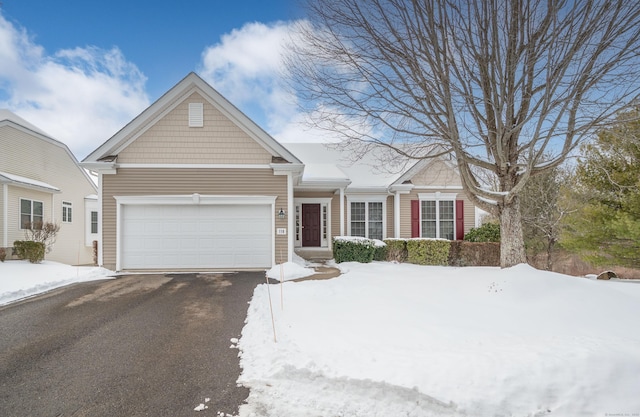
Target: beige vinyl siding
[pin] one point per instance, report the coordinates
(437, 174)
(390, 208)
(335, 216)
(33, 156)
(186, 181)
(14, 196)
(171, 141)
(405, 209)
(4, 188)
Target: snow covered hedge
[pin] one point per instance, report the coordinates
(358, 249)
(420, 251)
(428, 251)
(432, 252)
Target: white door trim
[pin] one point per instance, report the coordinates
(324, 202)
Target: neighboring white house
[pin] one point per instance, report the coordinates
(40, 180)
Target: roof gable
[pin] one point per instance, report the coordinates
(191, 84)
(11, 120)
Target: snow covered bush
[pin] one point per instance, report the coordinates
(357, 249)
(27, 249)
(428, 251)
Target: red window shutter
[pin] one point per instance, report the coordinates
(459, 219)
(415, 218)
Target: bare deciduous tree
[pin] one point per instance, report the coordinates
(43, 232)
(497, 83)
(543, 211)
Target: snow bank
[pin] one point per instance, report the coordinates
(288, 271)
(20, 279)
(397, 339)
(358, 239)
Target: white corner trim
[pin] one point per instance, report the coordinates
(290, 220)
(5, 215)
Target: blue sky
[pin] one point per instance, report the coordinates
(80, 70)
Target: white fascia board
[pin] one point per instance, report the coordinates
(438, 187)
(326, 184)
(28, 183)
(366, 197)
(188, 199)
(401, 188)
(437, 196)
(284, 169)
(100, 167)
(367, 190)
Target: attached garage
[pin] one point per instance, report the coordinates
(195, 232)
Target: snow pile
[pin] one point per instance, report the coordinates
(398, 339)
(20, 279)
(288, 271)
(362, 240)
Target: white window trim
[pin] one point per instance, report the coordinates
(367, 199)
(31, 218)
(89, 207)
(67, 208)
(437, 197)
(324, 202)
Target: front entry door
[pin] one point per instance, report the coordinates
(311, 225)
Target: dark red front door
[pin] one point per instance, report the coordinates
(311, 225)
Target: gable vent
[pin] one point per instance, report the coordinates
(196, 116)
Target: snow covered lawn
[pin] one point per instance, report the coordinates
(20, 279)
(389, 339)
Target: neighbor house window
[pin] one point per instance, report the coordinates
(94, 222)
(367, 219)
(30, 213)
(66, 212)
(437, 218)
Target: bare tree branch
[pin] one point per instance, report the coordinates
(498, 83)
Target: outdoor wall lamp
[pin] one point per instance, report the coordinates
(282, 214)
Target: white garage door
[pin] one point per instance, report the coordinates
(196, 236)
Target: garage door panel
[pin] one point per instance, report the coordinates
(196, 236)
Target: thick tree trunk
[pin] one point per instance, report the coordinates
(511, 237)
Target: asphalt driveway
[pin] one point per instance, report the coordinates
(144, 345)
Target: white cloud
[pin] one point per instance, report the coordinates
(79, 96)
(247, 67)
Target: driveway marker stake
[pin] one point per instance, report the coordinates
(273, 323)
